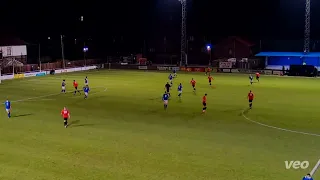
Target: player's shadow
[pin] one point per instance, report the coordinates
(245, 112)
(80, 125)
(76, 123)
(22, 115)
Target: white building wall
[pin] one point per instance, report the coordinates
(9, 51)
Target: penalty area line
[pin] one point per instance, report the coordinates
(277, 128)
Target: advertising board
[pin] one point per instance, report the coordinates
(193, 69)
(6, 77)
(57, 71)
(276, 73)
(75, 69)
(31, 74)
(143, 67)
(268, 72)
(167, 68)
(18, 76)
(235, 71)
(226, 70)
(41, 74)
(225, 65)
(199, 69)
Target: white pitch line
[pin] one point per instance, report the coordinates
(48, 95)
(280, 129)
(315, 168)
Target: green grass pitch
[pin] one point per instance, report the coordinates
(124, 132)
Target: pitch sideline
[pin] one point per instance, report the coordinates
(277, 128)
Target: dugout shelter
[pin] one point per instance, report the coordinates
(276, 60)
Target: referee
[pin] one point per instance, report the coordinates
(307, 177)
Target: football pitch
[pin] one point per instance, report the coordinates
(123, 132)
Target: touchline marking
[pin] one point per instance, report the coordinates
(49, 95)
(280, 129)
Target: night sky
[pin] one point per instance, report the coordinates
(138, 21)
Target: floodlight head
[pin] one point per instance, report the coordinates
(85, 49)
(208, 48)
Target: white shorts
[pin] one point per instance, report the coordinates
(8, 110)
(86, 93)
(180, 92)
(165, 101)
(63, 88)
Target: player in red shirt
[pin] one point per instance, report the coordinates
(208, 71)
(250, 98)
(66, 115)
(75, 85)
(193, 83)
(257, 76)
(204, 103)
(210, 78)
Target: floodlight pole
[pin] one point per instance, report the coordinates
(62, 52)
(306, 47)
(183, 60)
(84, 53)
(39, 58)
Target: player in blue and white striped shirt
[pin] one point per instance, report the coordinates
(165, 99)
(63, 86)
(86, 90)
(180, 90)
(307, 177)
(174, 71)
(8, 108)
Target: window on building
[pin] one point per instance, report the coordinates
(9, 53)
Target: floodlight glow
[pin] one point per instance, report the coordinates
(85, 49)
(208, 47)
